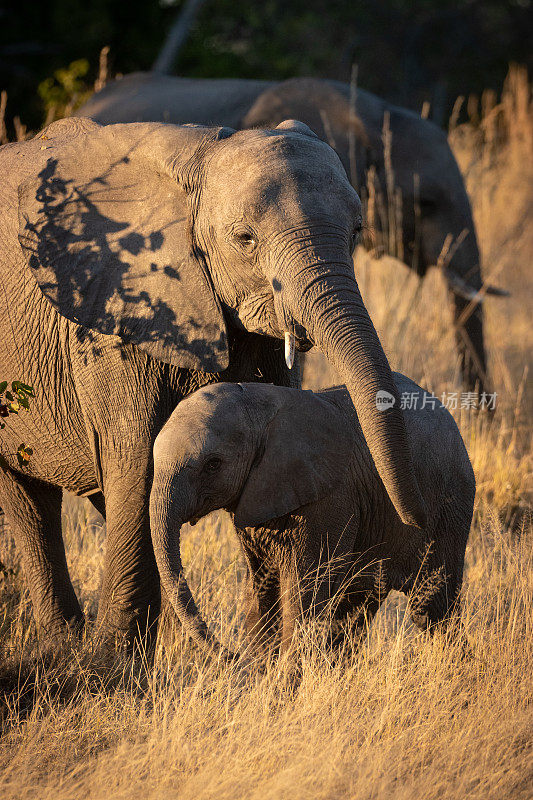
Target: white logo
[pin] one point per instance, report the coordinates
(384, 400)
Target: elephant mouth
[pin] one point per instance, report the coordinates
(256, 314)
(302, 340)
(304, 343)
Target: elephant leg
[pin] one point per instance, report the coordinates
(435, 602)
(353, 618)
(33, 509)
(364, 615)
(364, 589)
(468, 321)
(130, 598)
(278, 598)
(305, 590)
(263, 605)
(291, 607)
(442, 613)
(440, 608)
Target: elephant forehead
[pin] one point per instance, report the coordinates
(211, 410)
(289, 173)
(259, 152)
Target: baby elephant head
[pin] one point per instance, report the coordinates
(259, 451)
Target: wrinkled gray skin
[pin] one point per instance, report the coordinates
(437, 209)
(140, 262)
(311, 512)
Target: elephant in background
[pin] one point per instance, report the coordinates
(417, 205)
(140, 262)
(313, 518)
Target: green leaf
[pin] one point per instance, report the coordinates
(23, 454)
(3, 387)
(9, 397)
(25, 388)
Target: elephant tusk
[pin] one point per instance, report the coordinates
(461, 288)
(289, 349)
(495, 291)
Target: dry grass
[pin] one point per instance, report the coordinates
(407, 717)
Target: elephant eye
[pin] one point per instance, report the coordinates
(356, 235)
(246, 239)
(212, 465)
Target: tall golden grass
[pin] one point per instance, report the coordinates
(408, 715)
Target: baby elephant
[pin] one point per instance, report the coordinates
(312, 515)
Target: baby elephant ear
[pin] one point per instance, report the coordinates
(105, 226)
(296, 127)
(307, 447)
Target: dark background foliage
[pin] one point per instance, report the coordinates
(406, 50)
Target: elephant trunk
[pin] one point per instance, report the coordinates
(331, 309)
(167, 515)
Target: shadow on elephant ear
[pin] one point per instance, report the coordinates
(109, 243)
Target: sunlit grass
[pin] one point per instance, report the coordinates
(409, 715)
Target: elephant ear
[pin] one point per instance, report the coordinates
(306, 448)
(105, 226)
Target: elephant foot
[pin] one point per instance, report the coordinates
(125, 631)
(63, 632)
(291, 675)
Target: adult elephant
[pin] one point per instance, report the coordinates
(420, 209)
(140, 261)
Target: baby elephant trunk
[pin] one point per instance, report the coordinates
(167, 515)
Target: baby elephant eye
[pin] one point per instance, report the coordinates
(212, 464)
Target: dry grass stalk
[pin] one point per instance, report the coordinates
(103, 69)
